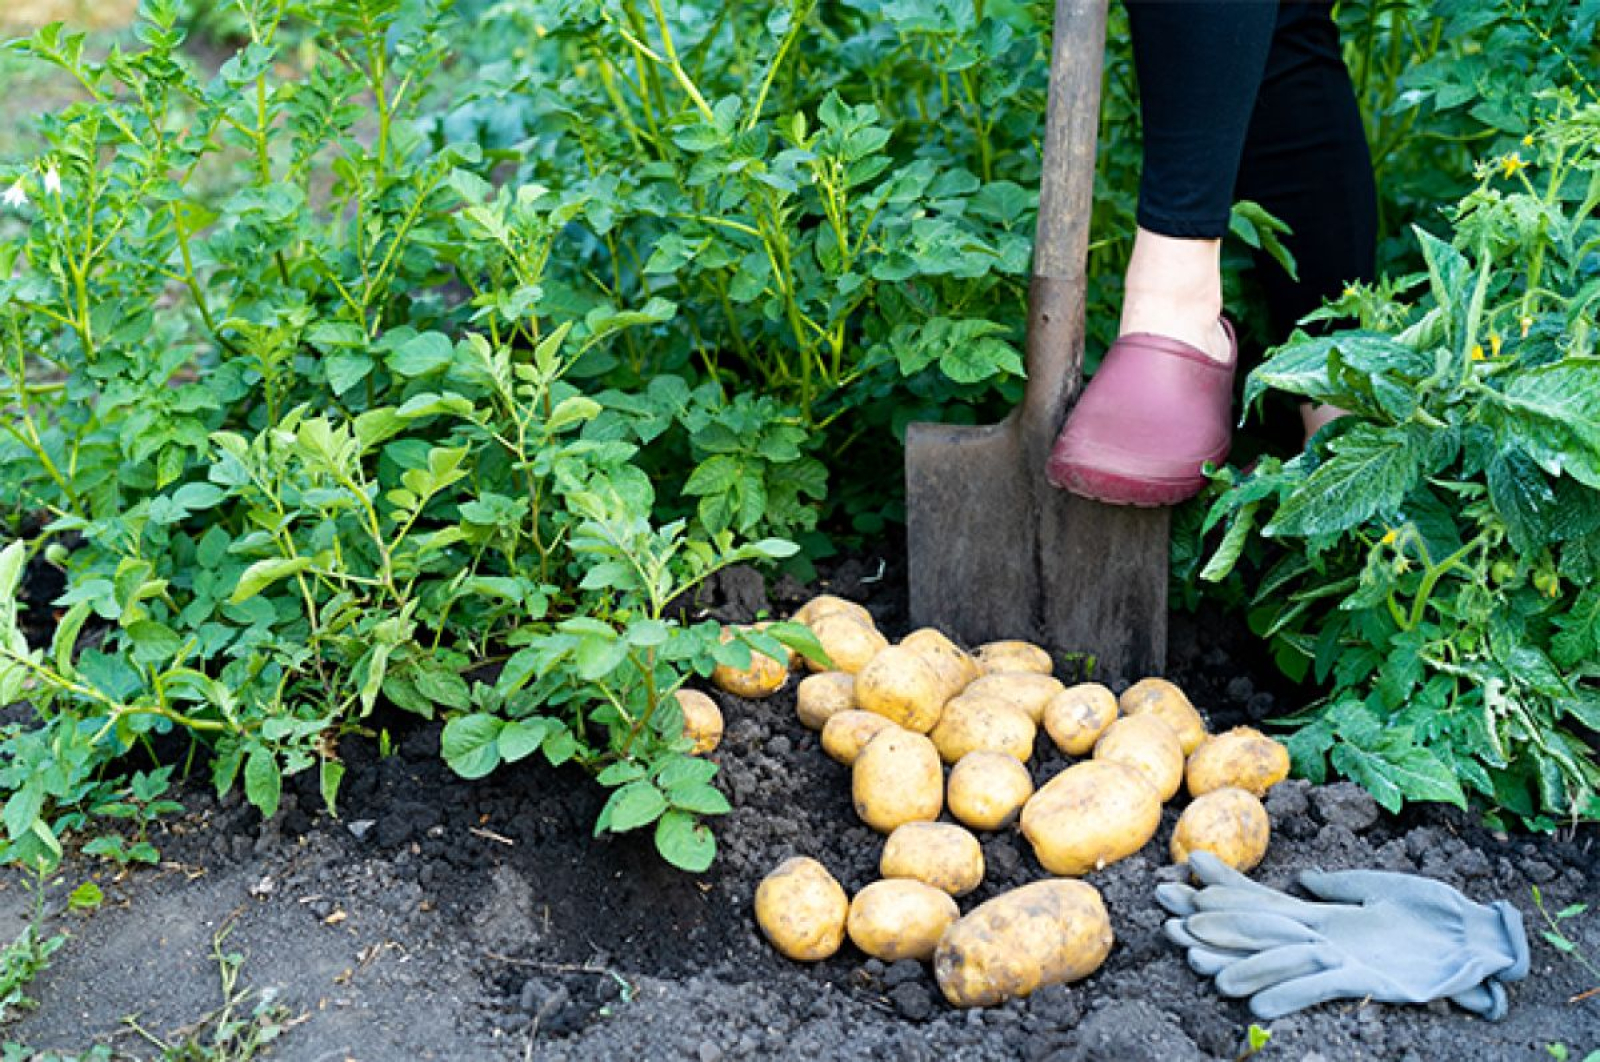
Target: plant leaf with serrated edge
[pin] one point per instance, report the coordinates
(1371, 472)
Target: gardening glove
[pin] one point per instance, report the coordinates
(1395, 938)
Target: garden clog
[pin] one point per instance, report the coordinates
(1154, 414)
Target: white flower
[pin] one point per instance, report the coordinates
(52, 181)
(15, 196)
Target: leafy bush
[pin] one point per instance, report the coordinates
(1438, 559)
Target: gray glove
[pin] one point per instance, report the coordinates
(1394, 938)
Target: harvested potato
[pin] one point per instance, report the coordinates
(827, 604)
(764, 677)
(1046, 933)
(955, 665)
(1166, 702)
(1148, 745)
(1024, 690)
(847, 733)
(997, 657)
(802, 909)
(902, 686)
(935, 853)
(900, 919)
(971, 723)
(1090, 815)
(823, 696)
(1229, 823)
(1242, 757)
(897, 779)
(986, 790)
(848, 642)
(1077, 716)
(702, 720)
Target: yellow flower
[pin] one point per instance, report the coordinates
(1494, 344)
(1477, 352)
(1511, 165)
(1527, 141)
(1389, 537)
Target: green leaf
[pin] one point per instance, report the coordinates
(153, 642)
(329, 777)
(64, 644)
(635, 804)
(86, 897)
(263, 781)
(1555, 410)
(23, 807)
(521, 738)
(1371, 472)
(699, 798)
(264, 573)
(439, 683)
(1397, 771)
(684, 842)
(422, 354)
(470, 744)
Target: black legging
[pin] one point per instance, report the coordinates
(1250, 99)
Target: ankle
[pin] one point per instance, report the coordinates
(1195, 322)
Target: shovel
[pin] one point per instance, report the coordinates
(994, 550)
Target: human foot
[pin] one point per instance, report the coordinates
(1155, 413)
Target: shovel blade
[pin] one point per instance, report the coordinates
(996, 552)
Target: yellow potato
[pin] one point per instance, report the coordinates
(847, 733)
(802, 909)
(997, 657)
(1090, 815)
(1166, 702)
(848, 642)
(1242, 757)
(987, 790)
(972, 723)
(1046, 933)
(1229, 823)
(764, 677)
(827, 604)
(897, 779)
(1146, 744)
(702, 720)
(900, 919)
(954, 664)
(1077, 716)
(823, 696)
(902, 686)
(935, 853)
(1025, 690)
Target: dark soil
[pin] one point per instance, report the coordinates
(442, 919)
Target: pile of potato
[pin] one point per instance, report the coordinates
(901, 714)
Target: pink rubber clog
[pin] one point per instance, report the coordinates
(1156, 411)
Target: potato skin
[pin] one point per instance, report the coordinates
(702, 720)
(897, 779)
(764, 677)
(827, 604)
(847, 733)
(1146, 744)
(848, 642)
(900, 919)
(954, 665)
(802, 909)
(1243, 757)
(823, 696)
(940, 855)
(1168, 703)
(973, 723)
(903, 687)
(1090, 815)
(1045, 933)
(997, 657)
(1026, 690)
(986, 790)
(1229, 823)
(1077, 716)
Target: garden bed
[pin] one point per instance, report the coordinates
(438, 918)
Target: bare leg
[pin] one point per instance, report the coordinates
(1313, 417)
(1174, 289)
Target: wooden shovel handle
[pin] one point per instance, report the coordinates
(1066, 200)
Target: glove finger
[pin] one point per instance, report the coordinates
(1488, 1000)
(1247, 931)
(1209, 962)
(1179, 934)
(1176, 897)
(1212, 871)
(1264, 901)
(1359, 886)
(1302, 992)
(1271, 967)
